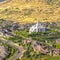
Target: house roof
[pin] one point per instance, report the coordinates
(3, 51)
(58, 41)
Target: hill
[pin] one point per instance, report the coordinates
(27, 11)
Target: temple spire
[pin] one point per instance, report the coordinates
(38, 20)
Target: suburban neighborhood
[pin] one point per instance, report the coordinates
(29, 38)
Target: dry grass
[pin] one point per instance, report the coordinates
(27, 12)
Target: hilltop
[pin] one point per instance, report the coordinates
(27, 11)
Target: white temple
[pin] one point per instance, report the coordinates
(39, 27)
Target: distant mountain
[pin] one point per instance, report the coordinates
(1, 0)
(27, 11)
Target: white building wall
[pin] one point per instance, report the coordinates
(37, 28)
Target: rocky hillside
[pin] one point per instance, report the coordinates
(27, 11)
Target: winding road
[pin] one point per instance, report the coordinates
(11, 44)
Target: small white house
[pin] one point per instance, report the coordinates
(39, 27)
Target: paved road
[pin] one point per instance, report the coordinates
(10, 43)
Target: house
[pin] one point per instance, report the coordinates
(6, 33)
(54, 52)
(15, 26)
(38, 48)
(39, 27)
(3, 52)
(27, 41)
(58, 41)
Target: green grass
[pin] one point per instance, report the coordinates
(57, 46)
(24, 34)
(11, 57)
(51, 58)
(42, 57)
